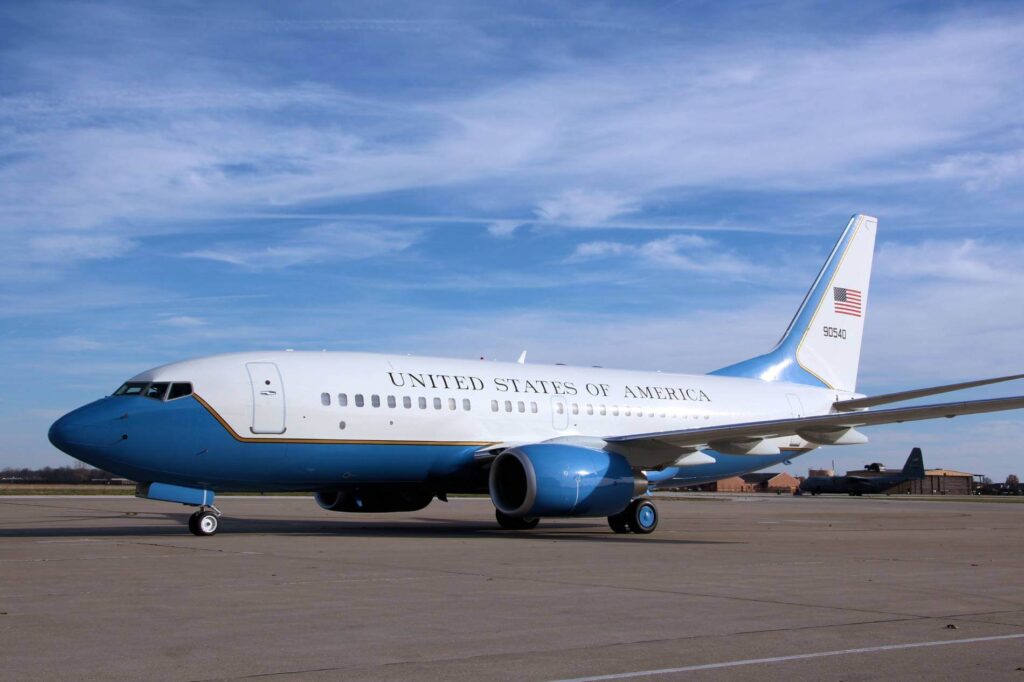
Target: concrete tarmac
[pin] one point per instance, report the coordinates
(757, 587)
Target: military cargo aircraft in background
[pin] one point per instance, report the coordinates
(867, 483)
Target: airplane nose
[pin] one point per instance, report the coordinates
(58, 433)
(69, 431)
(81, 428)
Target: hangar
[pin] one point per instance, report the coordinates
(935, 482)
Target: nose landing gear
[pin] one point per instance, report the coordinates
(205, 521)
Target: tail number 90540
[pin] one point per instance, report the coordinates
(834, 333)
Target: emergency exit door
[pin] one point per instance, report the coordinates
(267, 397)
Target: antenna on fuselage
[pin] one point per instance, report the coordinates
(522, 358)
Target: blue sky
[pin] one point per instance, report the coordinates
(640, 185)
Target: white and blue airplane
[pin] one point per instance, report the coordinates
(385, 433)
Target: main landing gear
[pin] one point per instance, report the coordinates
(205, 521)
(515, 522)
(641, 516)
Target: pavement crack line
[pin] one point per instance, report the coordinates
(643, 642)
(792, 657)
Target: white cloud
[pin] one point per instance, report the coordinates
(580, 140)
(503, 228)
(182, 321)
(76, 343)
(982, 170)
(70, 246)
(686, 252)
(962, 260)
(321, 243)
(585, 207)
(594, 250)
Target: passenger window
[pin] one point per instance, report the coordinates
(615, 410)
(407, 402)
(533, 408)
(494, 406)
(437, 403)
(359, 399)
(590, 408)
(603, 411)
(559, 408)
(522, 406)
(422, 403)
(179, 390)
(451, 403)
(639, 412)
(465, 404)
(157, 391)
(626, 411)
(508, 405)
(391, 401)
(375, 400)
(341, 425)
(343, 399)
(325, 399)
(575, 408)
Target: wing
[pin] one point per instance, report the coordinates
(661, 449)
(886, 398)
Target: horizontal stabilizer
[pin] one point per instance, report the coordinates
(886, 398)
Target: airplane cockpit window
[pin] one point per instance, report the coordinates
(179, 389)
(157, 390)
(131, 388)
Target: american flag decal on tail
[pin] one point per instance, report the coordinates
(847, 301)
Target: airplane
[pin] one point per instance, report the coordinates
(853, 484)
(368, 433)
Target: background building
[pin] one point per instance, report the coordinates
(766, 482)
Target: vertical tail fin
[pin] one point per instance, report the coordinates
(915, 464)
(822, 344)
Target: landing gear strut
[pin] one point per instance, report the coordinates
(515, 522)
(205, 521)
(641, 516)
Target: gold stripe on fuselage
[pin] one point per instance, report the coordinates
(331, 441)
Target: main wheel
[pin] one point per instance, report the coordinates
(618, 523)
(203, 523)
(515, 522)
(642, 516)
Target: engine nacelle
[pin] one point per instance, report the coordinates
(552, 479)
(374, 500)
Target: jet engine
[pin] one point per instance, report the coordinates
(553, 479)
(374, 500)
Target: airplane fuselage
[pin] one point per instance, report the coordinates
(312, 421)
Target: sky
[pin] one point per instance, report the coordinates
(644, 185)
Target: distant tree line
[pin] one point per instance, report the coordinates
(63, 475)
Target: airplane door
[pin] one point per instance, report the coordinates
(267, 397)
(559, 414)
(796, 408)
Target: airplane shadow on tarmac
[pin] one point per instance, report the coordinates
(137, 525)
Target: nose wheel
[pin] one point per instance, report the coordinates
(204, 522)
